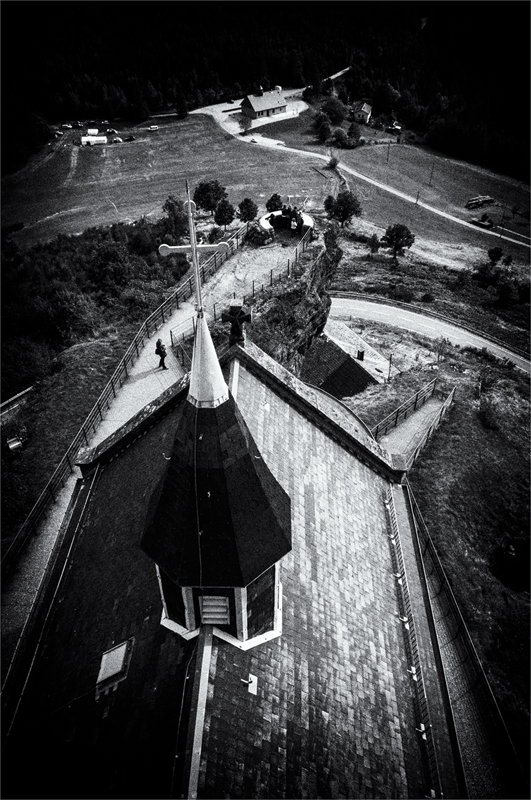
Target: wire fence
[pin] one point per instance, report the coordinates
(428, 313)
(185, 329)
(399, 414)
(456, 644)
(412, 457)
(67, 464)
(420, 696)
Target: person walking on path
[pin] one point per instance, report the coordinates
(160, 350)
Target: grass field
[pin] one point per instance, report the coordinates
(408, 169)
(69, 188)
(75, 188)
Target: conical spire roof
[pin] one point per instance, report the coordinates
(207, 384)
(218, 516)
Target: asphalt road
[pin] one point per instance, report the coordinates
(427, 326)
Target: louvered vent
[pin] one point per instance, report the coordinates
(214, 610)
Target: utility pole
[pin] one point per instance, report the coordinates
(388, 151)
(431, 176)
(389, 373)
(417, 200)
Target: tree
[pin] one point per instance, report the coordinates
(224, 213)
(354, 132)
(343, 208)
(274, 203)
(335, 110)
(340, 138)
(396, 238)
(248, 210)
(208, 194)
(495, 254)
(373, 244)
(177, 219)
(245, 122)
(325, 132)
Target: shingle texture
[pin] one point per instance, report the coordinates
(273, 99)
(333, 715)
(218, 517)
(328, 366)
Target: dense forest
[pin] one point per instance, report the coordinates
(75, 285)
(457, 73)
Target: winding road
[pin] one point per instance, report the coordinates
(298, 105)
(432, 327)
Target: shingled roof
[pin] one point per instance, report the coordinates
(334, 712)
(262, 102)
(218, 517)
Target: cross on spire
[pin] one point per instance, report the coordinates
(237, 317)
(207, 384)
(194, 249)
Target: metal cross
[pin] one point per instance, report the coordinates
(194, 249)
(237, 317)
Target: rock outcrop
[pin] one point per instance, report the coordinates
(287, 316)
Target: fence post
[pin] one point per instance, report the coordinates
(253, 288)
(171, 338)
(288, 267)
(271, 277)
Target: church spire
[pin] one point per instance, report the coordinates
(207, 384)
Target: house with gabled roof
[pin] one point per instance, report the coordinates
(362, 112)
(264, 104)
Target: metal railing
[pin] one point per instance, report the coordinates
(476, 683)
(66, 466)
(19, 399)
(412, 649)
(185, 329)
(400, 413)
(431, 430)
(428, 313)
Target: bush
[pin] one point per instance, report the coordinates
(487, 414)
(274, 203)
(214, 234)
(427, 298)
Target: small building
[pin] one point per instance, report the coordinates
(87, 141)
(362, 112)
(264, 104)
(92, 132)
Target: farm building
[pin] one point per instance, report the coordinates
(264, 104)
(90, 140)
(362, 112)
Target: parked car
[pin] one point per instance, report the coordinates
(58, 133)
(153, 127)
(117, 140)
(66, 125)
(129, 139)
(111, 130)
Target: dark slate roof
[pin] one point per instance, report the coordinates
(272, 99)
(218, 517)
(334, 714)
(322, 359)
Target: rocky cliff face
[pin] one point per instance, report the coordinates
(288, 316)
